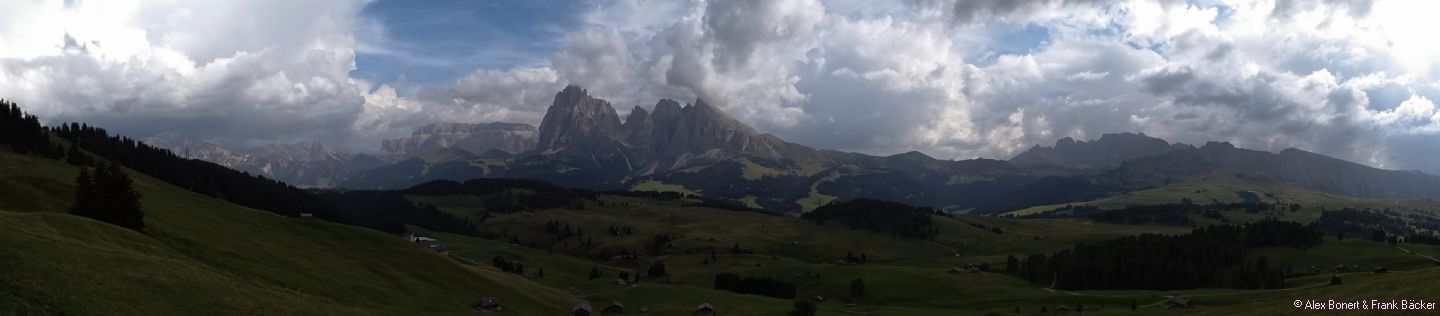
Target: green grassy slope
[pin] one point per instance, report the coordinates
(199, 250)
(904, 276)
(62, 264)
(1223, 187)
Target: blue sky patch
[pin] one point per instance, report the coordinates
(441, 40)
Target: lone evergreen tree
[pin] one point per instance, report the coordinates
(73, 156)
(84, 204)
(803, 308)
(107, 195)
(857, 288)
(594, 273)
(1012, 264)
(657, 269)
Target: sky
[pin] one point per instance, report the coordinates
(1353, 79)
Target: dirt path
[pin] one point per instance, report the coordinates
(1432, 259)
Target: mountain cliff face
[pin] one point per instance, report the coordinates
(310, 164)
(476, 138)
(583, 130)
(198, 149)
(1107, 152)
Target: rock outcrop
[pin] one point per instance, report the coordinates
(1107, 152)
(513, 138)
(583, 130)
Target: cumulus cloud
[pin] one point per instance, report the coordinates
(956, 79)
(237, 72)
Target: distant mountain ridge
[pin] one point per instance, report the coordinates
(1107, 152)
(1290, 166)
(582, 143)
(303, 164)
(584, 130)
(513, 138)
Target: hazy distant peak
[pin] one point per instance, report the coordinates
(473, 137)
(1217, 145)
(1109, 151)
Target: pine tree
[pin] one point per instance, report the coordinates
(75, 157)
(120, 201)
(857, 288)
(803, 308)
(84, 204)
(107, 195)
(595, 273)
(657, 269)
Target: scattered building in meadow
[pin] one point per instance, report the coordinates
(1177, 302)
(615, 308)
(582, 309)
(489, 304)
(705, 309)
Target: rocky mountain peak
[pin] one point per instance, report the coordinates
(637, 115)
(198, 149)
(298, 151)
(472, 137)
(584, 130)
(1107, 152)
(1066, 142)
(575, 119)
(1212, 146)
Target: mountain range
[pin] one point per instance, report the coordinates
(304, 164)
(697, 148)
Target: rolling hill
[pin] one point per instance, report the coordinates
(203, 255)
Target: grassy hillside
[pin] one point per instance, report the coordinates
(904, 276)
(203, 254)
(1223, 188)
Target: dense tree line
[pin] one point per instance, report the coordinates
(882, 216)
(1168, 214)
(508, 266)
(727, 205)
(653, 195)
(1067, 211)
(657, 243)
(1353, 222)
(197, 176)
(1383, 225)
(765, 286)
(1170, 262)
(508, 195)
(562, 231)
(107, 195)
(656, 270)
(22, 133)
(390, 211)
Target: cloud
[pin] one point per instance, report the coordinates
(956, 79)
(236, 72)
